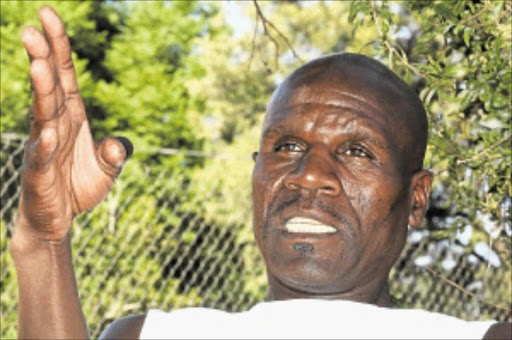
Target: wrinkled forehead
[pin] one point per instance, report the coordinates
(335, 110)
(335, 84)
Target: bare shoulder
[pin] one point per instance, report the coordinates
(500, 330)
(128, 327)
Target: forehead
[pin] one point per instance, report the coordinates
(363, 80)
(299, 99)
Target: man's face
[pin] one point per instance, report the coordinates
(331, 199)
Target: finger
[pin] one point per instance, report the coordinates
(113, 152)
(128, 146)
(61, 50)
(48, 96)
(40, 152)
(39, 169)
(35, 43)
(46, 91)
(44, 85)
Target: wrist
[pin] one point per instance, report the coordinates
(26, 244)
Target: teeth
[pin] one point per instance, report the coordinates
(306, 225)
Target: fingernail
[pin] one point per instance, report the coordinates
(25, 33)
(128, 146)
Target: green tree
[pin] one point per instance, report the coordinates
(151, 61)
(133, 79)
(458, 59)
(85, 35)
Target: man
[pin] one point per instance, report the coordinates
(337, 179)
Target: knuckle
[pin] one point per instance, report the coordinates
(48, 139)
(67, 65)
(72, 94)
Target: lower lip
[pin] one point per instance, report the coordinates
(287, 234)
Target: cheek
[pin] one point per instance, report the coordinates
(260, 184)
(382, 207)
(267, 178)
(266, 181)
(257, 203)
(377, 197)
(382, 210)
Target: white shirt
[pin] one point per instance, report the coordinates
(309, 319)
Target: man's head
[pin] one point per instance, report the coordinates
(338, 178)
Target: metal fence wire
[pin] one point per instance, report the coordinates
(148, 245)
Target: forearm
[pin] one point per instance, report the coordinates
(48, 302)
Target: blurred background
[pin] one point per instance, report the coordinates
(188, 81)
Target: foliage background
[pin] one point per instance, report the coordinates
(184, 85)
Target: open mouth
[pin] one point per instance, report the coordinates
(302, 225)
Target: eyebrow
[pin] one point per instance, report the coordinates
(274, 130)
(374, 141)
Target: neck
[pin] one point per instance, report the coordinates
(371, 293)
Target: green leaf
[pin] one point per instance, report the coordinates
(467, 36)
(357, 7)
(444, 11)
(385, 28)
(353, 11)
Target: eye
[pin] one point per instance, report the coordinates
(356, 151)
(288, 147)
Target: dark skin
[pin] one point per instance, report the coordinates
(334, 149)
(342, 143)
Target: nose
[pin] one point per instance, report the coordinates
(315, 173)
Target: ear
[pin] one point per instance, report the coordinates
(254, 155)
(421, 182)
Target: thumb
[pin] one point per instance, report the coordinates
(113, 152)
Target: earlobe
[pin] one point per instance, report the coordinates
(421, 183)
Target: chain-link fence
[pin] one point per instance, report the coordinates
(149, 245)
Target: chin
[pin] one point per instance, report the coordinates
(306, 275)
(328, 266)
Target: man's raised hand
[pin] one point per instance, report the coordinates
(64, 171)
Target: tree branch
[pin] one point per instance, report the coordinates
(465, 291)
(253, 43)
(484, 151)
(268, 24)
(402, 56)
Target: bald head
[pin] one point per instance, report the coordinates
(368, 82)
